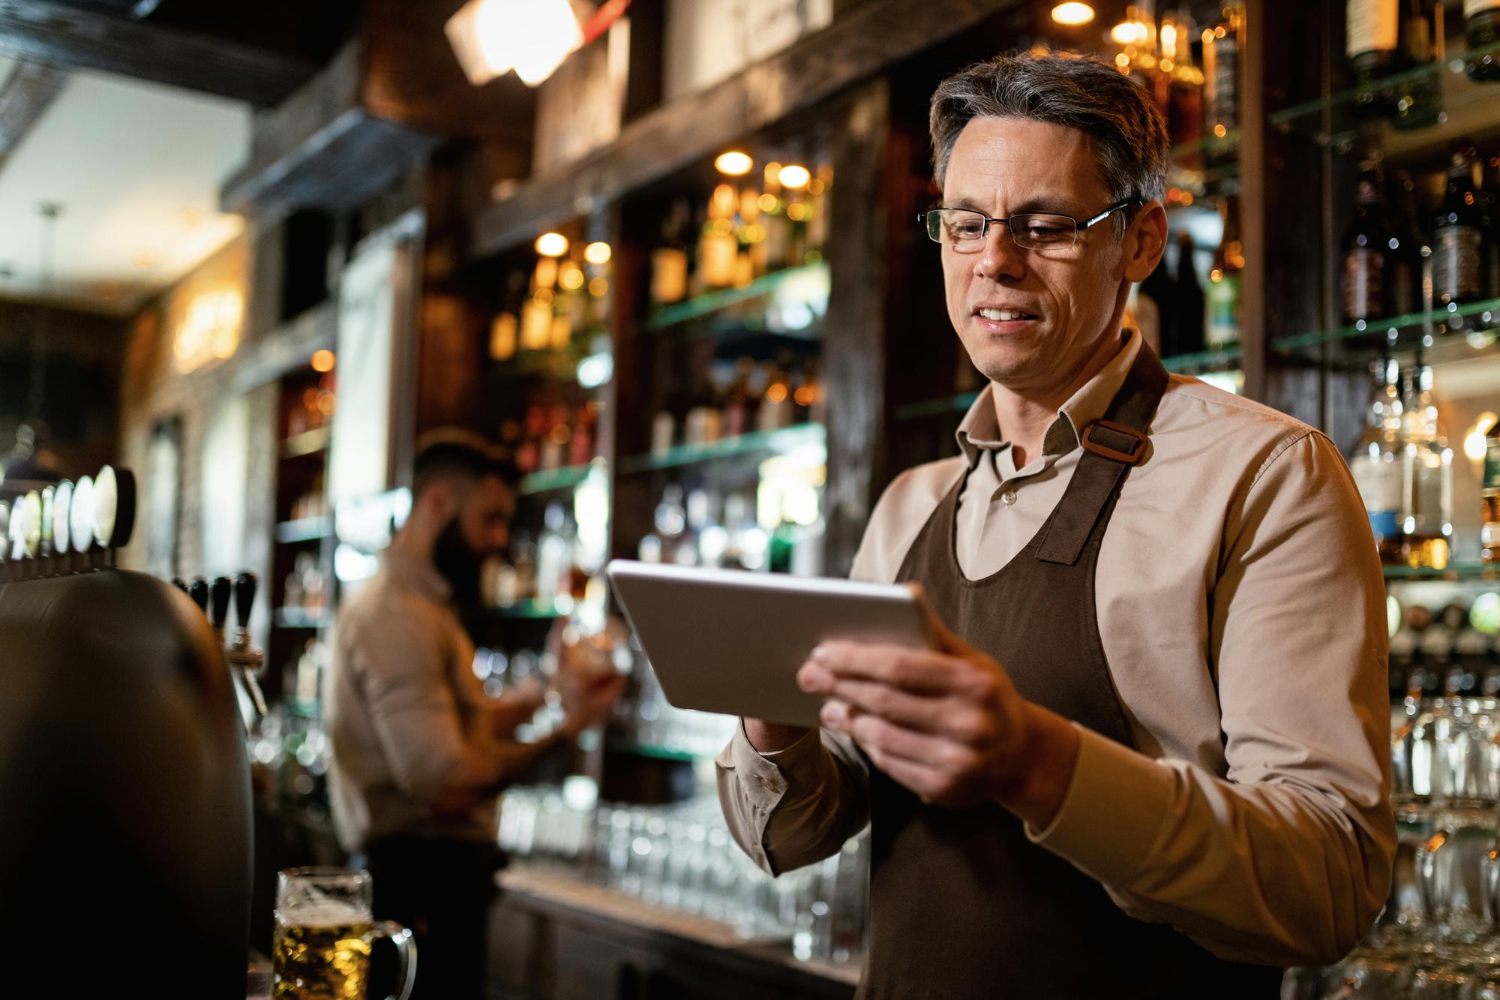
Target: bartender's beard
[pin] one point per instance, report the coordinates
(459, 564)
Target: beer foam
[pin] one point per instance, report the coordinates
(322, 913)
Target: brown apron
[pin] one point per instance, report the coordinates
(962, 904)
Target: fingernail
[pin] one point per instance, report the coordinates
(821, 655)
(809, 678)
(830, 715)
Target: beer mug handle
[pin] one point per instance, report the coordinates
(406, 950)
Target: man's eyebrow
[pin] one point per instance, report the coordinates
(1059, 206)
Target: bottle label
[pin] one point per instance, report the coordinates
(1473, 7)
(1364, 269)
(1373, 26)
(1379, 484)
(1492, 464)
(1223, 311)
(1455, 263)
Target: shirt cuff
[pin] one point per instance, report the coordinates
(1113, 811)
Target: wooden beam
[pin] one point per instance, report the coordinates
(322, 148)
(860, 44)
(29, 91)
(70, 38)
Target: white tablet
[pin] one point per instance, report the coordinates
(732, 642)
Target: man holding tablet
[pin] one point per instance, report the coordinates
(1148, 755)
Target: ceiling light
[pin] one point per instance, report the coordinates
(597, 253)
(1136, 29)
(552, 244)
(532, 37)
(1072, 14)
(734, 163)
(794, 177)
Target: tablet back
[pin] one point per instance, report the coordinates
(732, 642)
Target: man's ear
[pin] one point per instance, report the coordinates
(1145, 241)
(441, 500)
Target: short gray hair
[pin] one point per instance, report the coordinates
(1124, 128)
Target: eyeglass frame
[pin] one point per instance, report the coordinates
(984, 232)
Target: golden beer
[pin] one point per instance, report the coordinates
(326, 959)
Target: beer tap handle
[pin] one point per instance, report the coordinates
(180, 584)
(198, 591)
(244, 598)
(220, 594)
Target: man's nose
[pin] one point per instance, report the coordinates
(1001, 257)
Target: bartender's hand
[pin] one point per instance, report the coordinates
(946, 723)
(515, 707)
(587, 699)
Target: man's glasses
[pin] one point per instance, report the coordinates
(965, 230)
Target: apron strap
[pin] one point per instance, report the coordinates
(1111, 445)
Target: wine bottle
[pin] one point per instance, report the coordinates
(1224, 281)
(1482, 31)
(1372, 37)
(1367, 248)
(1456, 235)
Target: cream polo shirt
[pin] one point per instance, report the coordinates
(1241, 608)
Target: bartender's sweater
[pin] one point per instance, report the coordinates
(1241, 608)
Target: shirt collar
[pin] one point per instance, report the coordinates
(415, 574)
(980, 431)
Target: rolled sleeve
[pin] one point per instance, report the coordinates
(411, 706)
(794, 806)
(1287, 858)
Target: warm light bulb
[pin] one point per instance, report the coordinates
(552, 244)
(734, 163)
(1072, 13)
(597, 253)
(1474, 443)
(532, 37)
(794, 177)
(323, 361)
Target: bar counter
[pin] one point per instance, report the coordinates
(556, 935)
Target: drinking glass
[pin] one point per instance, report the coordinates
(325, 930)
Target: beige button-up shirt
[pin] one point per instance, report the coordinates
(401, 702)
(1241, 608)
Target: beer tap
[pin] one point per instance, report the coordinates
(219, 603)
(244, 659)
(198, 591)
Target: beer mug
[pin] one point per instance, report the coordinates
(324, 932)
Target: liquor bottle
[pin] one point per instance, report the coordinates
(1156, 310)
(774, 219)
(1367, 248)
(671, 521)
(1378, 462)
(1418, 96)
(1489, 251)
(739, 401)
(1372, 40)
(1221, 79)
(1188, 309)
(811, 400)
(1185, 80)
(1456, 236)
(718, 247)
(776, 409)
(1427, 477)
(553, 550)
(1403, 284)
(1482, 31)
(669, 262)
(1489, 533)
(1224, 281)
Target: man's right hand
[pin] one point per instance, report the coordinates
(587, 700)
(768, 737)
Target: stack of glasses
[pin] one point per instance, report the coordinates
(1439, 936)
(681, 857)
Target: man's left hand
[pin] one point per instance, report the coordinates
(947, 723)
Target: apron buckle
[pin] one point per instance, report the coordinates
(1137, 443)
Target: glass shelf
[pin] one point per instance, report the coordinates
(308, 618)
(1202, 361)
(783, 440)
(1227, 144)
(934, 407)
(1456, 572)
(307, 529)
(553, 479)
(651, 750)
(1473, 319)
(1455, 64)
(307, 443)
(707, 305)
(531, 609)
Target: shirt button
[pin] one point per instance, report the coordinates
(1008, 497)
